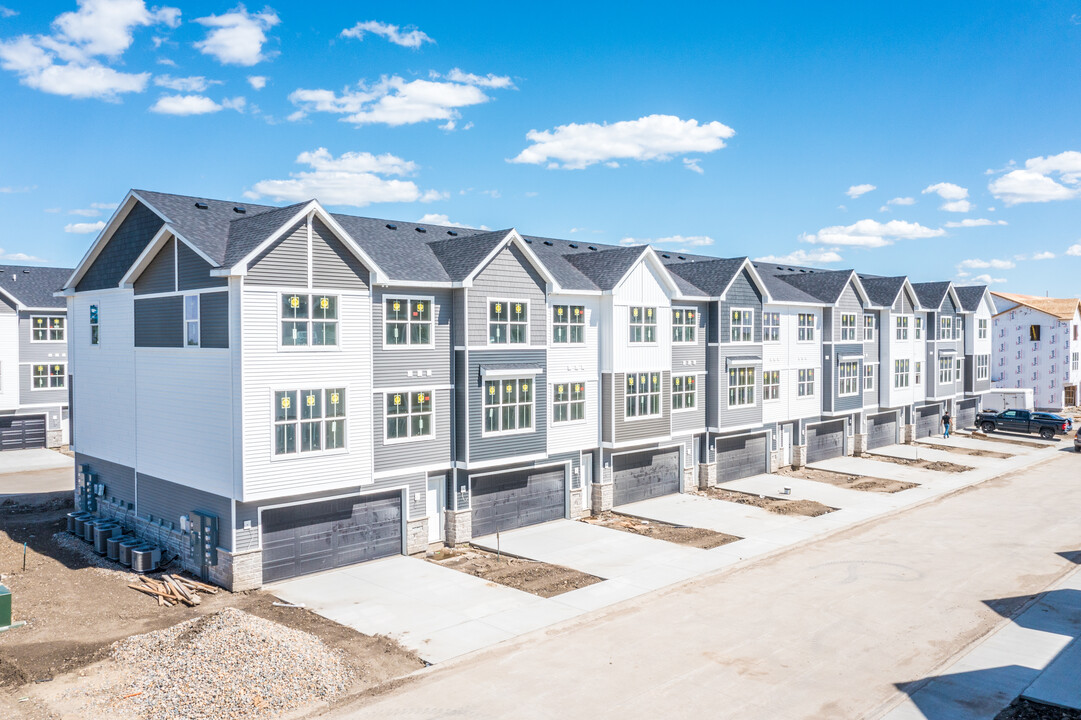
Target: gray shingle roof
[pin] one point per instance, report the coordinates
(882, 290)
(823, 285)
(970, 296)
(33, 286)
(461, 256)
(931, 294)
(709, 277)
(247, 232)
(606, 267)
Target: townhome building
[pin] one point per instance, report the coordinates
(944, 359)
(268, 392)
(976, 300)
(1035, 344)
(33, 357)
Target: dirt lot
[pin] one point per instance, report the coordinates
(852, 482)
(75, 610)
(695, 537)
(1026, 710)
(533, 577)
(970, 452)
(937, 465)
(810, 508)
(1007, 440)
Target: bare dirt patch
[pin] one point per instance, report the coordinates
(1021, 441)
(530, 576)
(695, 537)
(936, 465)
(1021, 709)
(852, 482)
(809, 508)
(970, 452)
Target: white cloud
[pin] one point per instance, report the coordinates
(974, 222)
(977, 264)
(19, 257)
(692, 165)
(956, 206)
(85, 212)
(237, 37)
(6, 12)
(9, 190)
(411, 38)
(871, 233)
(104, 27)
(498, 82)
(1034, 184)
(355, 179)
(1043, 256)
(258, 82)
(682, 241)
(653, 137)
(856, 190)
(947, 191)
(85, 227)
(804, 257)
(1074, 250)
(395, 101)
(193, 84)
(194, 105)
(441, 219)
(986, 279)
(37, 68)
(901, 201)
(104, 206)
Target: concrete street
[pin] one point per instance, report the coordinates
(829, 629)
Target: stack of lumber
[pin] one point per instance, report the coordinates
(173, 589)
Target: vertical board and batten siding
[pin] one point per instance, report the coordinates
(508, 277)
(283, 264)
(788, 357)
(9, 355)
(214, 320)
(432, 450)
(193, 273)
(159, 322)
(642, 287)
(126, 244)
(649, 428)
(160, 275)
(333, 264)
(167, 501)
(576, 362)
(267, 366)
(849, 402)
(496, 447)
(119, 479)
(742, 293)
(392, 363)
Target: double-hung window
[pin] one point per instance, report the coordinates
(901, 323)
(1076, 361)
(848, 378)
(771, 385)
(901, 373)
(307, 320)
(95, 331)
(805, 327)
(508, 322)
(568, 402)
(742, 326)
(805, 386)
(982, 328)
(741, 387)
(959, 328)
(945, 328)
(916, 374)
(50, 376)
(407, 321)
(508, 405)
(643, 394)
(48, 328)
(868, 327)
(643, 326)
(868, 377)
(409, 414)
(919, 328)
(568, 324)
(945, 370)
(771, 327)
(983, 366)
(309, 421)
(684, 323)
(191, 321)
(848, 327)
(684, 392)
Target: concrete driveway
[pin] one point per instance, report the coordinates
(717, 515)
(19, 461)
(35, 476)
(971, 443)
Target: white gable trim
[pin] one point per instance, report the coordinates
(513, 237)
(854, 278)
(147, 256)
(755, 278)
(650, 255)
(106, 234)
(18, 305)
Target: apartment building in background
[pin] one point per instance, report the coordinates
(1035, 345)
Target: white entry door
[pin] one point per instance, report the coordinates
(786, 445)
(436, 487)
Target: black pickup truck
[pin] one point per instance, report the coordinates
(1023, 421)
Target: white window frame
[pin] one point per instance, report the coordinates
(297, 421)
(488, 307)
(945, 327)
(981, 328)
(189, 321)
(983, 366)
(959, 327)
(848, 378)
(773, 328)
(771, 385)
(805, 333)
(805, 382)
(407, 397)
(959, 371)
(50, 374)
(680, 383)
(428, 301)
(1076, 361)
(653, 395)
(500, 384)
(901, 370)
(868, 377)
(95, 325)
(868, 328)
(901, 327)
(573, 387)
(917, 372)
(745, 328)
(641, 318)
(741, 394)
(684, 327)
(49, 328)
(310, 320)
(945, 370)
(918, 330)
(570, 325)
(848, 329)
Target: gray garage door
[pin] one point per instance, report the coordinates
(741, 456)
(303, 539)
(966, 413)
(825, 440)
(881, 430)
(18, 432)
(644, 475)
(513, 500)
(927, 421)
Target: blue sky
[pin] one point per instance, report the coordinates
(935, 141)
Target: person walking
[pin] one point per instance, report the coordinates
(946, 426)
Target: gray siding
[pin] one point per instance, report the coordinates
(29, 396)
(193, 272)
(283, 263)
(850, 402)
(389, 365)
(848, 304)
(30, 351)
(167, 501)
(683, 353)
(461, 406)
(119, 479)
(710, 393)
(741, 294)
(829, 378)
(159, 322)
(691, 420)
(506, 446)
(458, 302)
(437, 450)
(906, 303)
(606, 408)
(333, 264)
(508, 277)
(160, 275)
(7, 307)
(126, 244)
(740, 416)
(214, 320)
(644, 428)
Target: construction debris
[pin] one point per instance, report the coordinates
(173, 589)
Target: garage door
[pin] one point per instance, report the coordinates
(741, 456)
(18, 432)
(927, 421)
(825, 440)
(966, 413)
(318, 536)
(513, 500)
(881, 430)
(644, 475)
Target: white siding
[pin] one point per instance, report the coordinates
(643, 288)
(912, 350)
(9, 359)
(1043, 366)
(788, 356)
(569, 362)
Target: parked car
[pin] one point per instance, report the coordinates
(1047, 425)
(1077, 441)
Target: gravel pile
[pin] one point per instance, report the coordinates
(230, 664)
(85, 551)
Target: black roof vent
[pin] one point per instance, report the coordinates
(592, 248)
(26, 272)
(573, 246)
(548, 243)
(681, 257)
(239, 209)
(528, 240)
(420, 230)
(391, 226)
(778, 267)
(452, 233)
(665, 255)
(201, 206)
